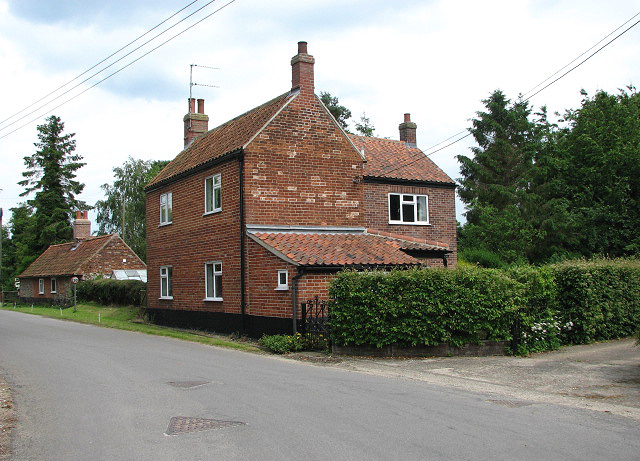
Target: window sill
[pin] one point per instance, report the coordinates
(165, 224)
(282, 289)
(207, 213)
(54, 292)
(398, 223)
(166, 297)
(212, 299)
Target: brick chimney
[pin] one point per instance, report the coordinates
(302, 70)
(408, 131)
(82, 226)
(195, 124)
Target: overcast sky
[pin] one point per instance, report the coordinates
(436, 59)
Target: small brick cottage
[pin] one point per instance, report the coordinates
(48, 278)
(258, 214)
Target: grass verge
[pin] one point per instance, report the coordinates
(129, 319)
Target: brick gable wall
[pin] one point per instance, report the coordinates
(442, 215)
(194, 239)
(300, 170)
(112, 256)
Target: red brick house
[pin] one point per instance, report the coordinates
(261, 212)
(48, 278)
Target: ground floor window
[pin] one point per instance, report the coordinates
(54, 286)
(283, 280)
(166, 282)
(213, 281)
(41, 286)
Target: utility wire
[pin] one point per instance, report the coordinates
(104, 68)
(540, 90)
(97, 64)
(122, 68)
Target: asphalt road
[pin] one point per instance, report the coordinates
(89, 393)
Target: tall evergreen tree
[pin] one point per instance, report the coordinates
(125, 198)
(340, 113)
(51, 173)
(365, 127)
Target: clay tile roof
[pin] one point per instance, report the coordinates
(66, 258)
(226, 138)
(387, 158)
(342, 249)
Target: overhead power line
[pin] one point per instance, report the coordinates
(101, 70)
(122, 68)
(427, 154)
(97, 64)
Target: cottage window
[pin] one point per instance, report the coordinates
(54, 285)
(166, 282)
(283, 280)
(41, 286)
(212, 194)
(213, 281)
(408, 209)
(166, 208)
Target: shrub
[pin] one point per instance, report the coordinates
(600, 298)
(423, 307)
(110, 291)
(483, 258)
(283, 344)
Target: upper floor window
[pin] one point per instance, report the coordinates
(54, 285)
(166, 282)
(213, 281)
(408, 209)
(41, 286)
(212, 194)
(166, 208)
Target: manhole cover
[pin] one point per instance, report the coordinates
(184, 424)
(187, 384)
(510, 403)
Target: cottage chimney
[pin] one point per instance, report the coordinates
(408, 131)
(195, 123)
(302, 70)
(82, 226)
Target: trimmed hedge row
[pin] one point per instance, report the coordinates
(112, 292)
(536, 308)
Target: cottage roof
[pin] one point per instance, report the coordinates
(224, 139)
(66, 258)
(387, 158)
(332, 248)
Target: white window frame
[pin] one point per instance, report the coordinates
(285, 285)
(215, 182)
(408, 199)
(166, 273)
(166, 207)
(40, 286)
(54, 285)
(216, 267)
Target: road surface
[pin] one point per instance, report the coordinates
(89, 393)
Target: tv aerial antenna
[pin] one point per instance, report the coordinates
(192, 83)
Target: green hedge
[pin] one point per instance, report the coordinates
(423, 307)
(600, 298)
(536, 308)
(110, 291)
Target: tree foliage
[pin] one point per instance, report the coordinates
(340, 113)
(126, 197)
(50, 173)
(539, 191)
(365, 127)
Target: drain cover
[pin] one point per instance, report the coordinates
(184, 424)
(510, 403)
(187, 384)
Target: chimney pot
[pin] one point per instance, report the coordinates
(407, 117)
(201, 106)
(302, 47)
(192, 105)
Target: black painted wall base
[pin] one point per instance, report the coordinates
(220, 322)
